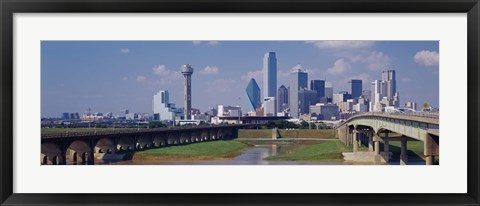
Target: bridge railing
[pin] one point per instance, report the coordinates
(133, 131)
(430, 115)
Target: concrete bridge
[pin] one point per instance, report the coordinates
(372, 128)
(84, 146)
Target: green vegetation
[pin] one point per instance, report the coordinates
(414, 149)
(329, 150)
(156, 124)
(223, 148)
(298, 133)
(282, 124)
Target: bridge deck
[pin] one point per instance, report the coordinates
(140, 131)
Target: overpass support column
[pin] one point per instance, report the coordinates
(429, 159)
(91, 154)
(370, 143)
(431, 148)
(403, 152)
(386, 147)
(355, 139)
(376, 158)
(63, 151)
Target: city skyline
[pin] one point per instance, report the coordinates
(112, 76)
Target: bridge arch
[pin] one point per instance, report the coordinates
(51, 154)
(105, 145)
(126, 143)
(160, 140)
(80, 152)
(144, 142)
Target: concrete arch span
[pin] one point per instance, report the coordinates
(144, 142)
(106, 145)
(51, 154)
(80, 152)
(126, 143)
(160, 140)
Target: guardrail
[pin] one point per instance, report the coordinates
(133, 131)
(430, 115)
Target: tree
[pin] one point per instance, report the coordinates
(270, 124)
(156, 124)
(304, 125)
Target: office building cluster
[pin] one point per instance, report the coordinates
(301, 99)
(315, 98)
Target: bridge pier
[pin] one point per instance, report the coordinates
(429, 160)
(91, 154)
(403, 152)
(431, 148)
(386, 147)
(370, 143)
(376, 158)
(355, 141)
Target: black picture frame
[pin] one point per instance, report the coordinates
(10, 7)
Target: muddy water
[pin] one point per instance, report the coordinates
(251, 156)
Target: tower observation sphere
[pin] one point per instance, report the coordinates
(187, 69)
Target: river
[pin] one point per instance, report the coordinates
(251, 156)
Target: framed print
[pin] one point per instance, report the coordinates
(249, 103)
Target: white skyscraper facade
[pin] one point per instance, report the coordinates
(384, 92)
(269, 106)
(162, 109)
(329, 89)
(379, 90)
(270, 77)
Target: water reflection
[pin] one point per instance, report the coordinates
(251, 156)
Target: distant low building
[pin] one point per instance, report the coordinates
(411, 105)
(269, 106)
(324, 111)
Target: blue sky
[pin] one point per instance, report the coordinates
(109, 76)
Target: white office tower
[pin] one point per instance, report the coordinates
(379, 91)
(162, 109)
(329, 90)
(269, 106)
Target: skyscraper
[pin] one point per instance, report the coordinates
(298, 80)
(379, 90)
(253, 93)
(269, 75)
(282, 99)
(389, 77)
(187, 72)
(318, 86)
(162, 108)
(329, 90)
(305, 99)
(356, 88)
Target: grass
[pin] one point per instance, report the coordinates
(299, 133)
(329, 150)
(414, 149)
(220, 148)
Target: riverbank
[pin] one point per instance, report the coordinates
(297, 133)
(327, 150)
(214, 150)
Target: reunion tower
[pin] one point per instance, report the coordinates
(187, 72)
